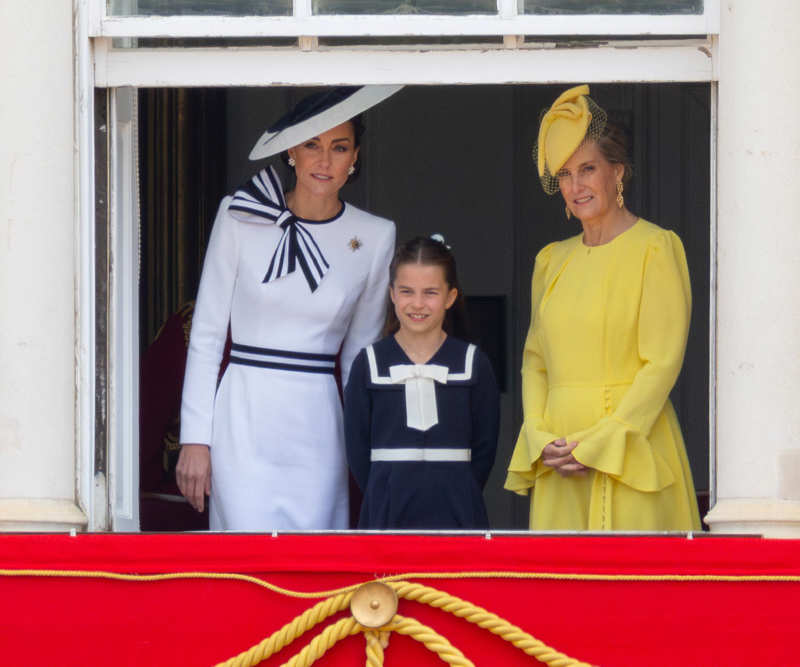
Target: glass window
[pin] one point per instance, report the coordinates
(404, 7)
(611, 7)
(200, 7)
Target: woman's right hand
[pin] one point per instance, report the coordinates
(558, 455)
(193, 474)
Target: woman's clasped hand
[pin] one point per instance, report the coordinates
(558, 456)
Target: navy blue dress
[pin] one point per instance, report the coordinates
(422, 494)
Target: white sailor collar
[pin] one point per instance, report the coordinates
(451, 365)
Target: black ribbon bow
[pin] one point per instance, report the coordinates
(261, 200)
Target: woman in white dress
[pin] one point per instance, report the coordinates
(299, 278)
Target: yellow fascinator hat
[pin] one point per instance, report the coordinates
(563, 127)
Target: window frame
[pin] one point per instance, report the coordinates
(507, 21)
(112, 501)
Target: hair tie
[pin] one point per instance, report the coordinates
(440, 239)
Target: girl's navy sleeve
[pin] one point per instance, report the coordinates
(485, 408)
(357, 421)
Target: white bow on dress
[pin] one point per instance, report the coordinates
(421, 411)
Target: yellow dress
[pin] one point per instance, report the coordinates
(606, 343)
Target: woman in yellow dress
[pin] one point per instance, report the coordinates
(600, 446)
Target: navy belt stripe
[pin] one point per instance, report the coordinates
(283, 367)
(289, 354)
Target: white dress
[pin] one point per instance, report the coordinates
(274, 424)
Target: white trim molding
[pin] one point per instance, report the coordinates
(40, 515)
(123, 324)
(629, 62)
(84, 223)
(401, 25)
(767, 517)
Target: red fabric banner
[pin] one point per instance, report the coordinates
(562, 590)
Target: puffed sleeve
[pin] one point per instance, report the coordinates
(370, 310)
(533, 436)
(617, 444)
(209, 329)
(357, 421)
(485, 403)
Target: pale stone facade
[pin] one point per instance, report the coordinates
(37, 268)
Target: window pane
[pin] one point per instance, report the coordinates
(491, 40)
(199, 42)
(404, 6)
(199, 7)
(612, 7)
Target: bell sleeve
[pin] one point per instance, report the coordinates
(485, 401)
(209, 329)
(533, 436)
(370, 310)
(618, 444)
(357, 421)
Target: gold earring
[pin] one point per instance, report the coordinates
(620, 198)
(568, 212)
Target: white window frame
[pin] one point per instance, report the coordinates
(507, 21)
(100, 65)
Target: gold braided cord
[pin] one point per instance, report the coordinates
(486, 620)
(374, 648)
(339, 599)
(173, 576)
(291, 631)
(322, 642)
(432, 640)
(556, 576)
(349, 626)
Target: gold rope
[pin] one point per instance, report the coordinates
(339, 599)
(483, 619)
(559, 576)
(374, 648)
(432, 640)
(345, 627)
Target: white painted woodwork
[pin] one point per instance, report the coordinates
(758, 309)
(38, 304)
(406, 24)
(123, 385)
(675, 61)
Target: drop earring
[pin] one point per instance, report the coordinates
(351, 170)
(568, 212)
(291, 161)
(620, 198)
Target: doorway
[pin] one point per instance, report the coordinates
(453, 160)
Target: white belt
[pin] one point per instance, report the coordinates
(420, 454)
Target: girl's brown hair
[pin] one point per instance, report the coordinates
(429, 252)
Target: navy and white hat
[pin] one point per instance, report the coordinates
(318, 113)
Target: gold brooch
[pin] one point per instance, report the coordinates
(355, 243)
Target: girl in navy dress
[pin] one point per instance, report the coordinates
(422, 406)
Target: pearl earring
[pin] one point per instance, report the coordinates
(351, 170)
(291, 161)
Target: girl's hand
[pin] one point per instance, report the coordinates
(558, 455)
(193, 474)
